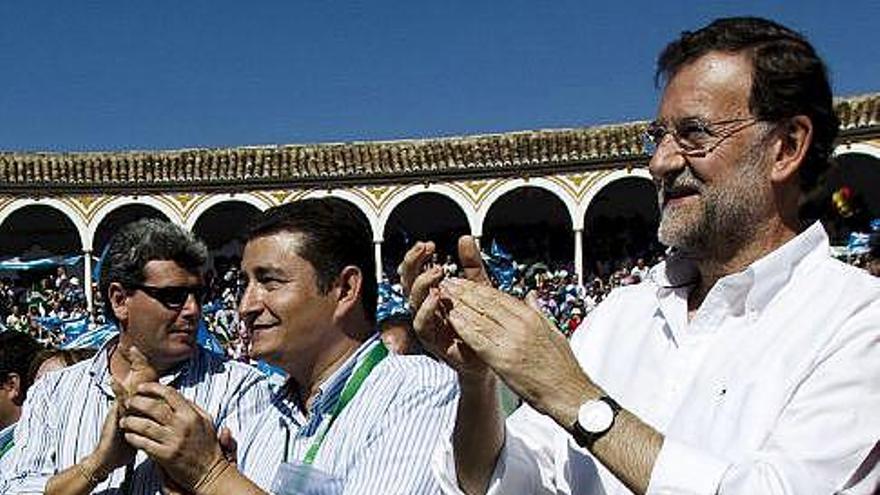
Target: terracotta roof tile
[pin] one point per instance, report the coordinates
(524, 152)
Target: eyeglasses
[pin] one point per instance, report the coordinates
(693, 136)
(174, 297)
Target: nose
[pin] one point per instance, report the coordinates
(250, 304)
(192, 307)
(666, 159)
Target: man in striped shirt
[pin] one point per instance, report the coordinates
(68, 440)
(354, 418)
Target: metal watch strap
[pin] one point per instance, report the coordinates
(585, 438)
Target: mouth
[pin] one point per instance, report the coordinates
(184, 330)
(259, 328)
(673, 196)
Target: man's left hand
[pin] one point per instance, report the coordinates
(175, 433)
(522, 346)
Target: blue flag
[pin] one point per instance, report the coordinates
(500, 264)
(391, 304)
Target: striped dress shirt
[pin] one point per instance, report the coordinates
(62, 417)
(380, 443)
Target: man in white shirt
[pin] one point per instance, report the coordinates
(747, 363)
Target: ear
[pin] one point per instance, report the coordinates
(795, 138)
(118, 299)
(348, 290)
(12, 386)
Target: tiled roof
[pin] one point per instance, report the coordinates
(325, 165)
(858, 112)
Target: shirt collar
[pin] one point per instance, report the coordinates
(330, 389)
(761, 280)
(770, 273)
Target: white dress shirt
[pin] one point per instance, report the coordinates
(772, 388)
(382, 441)
(62, 417)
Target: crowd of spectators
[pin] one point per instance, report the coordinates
(40, 306)
(563, 299)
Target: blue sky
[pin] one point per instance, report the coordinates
(164, 74)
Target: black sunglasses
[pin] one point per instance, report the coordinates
(174, 297)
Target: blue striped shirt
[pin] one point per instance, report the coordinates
(62, 417)
(380, 443)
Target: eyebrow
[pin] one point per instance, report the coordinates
(272, 271)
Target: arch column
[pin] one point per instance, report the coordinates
(579, 254)
(377, 252)
(87, 281)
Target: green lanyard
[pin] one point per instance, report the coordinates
(6, 448)
(352, 386)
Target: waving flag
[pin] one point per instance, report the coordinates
(500, 264)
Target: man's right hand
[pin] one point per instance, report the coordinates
(112, 450)
(429, 319)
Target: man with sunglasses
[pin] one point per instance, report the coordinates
(747, 363)
(68, 440)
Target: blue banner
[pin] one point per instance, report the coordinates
(859, 243)
(18, 265)
(92, 339)
(391, 305)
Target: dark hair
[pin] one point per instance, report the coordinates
(335, 235)
(788, 78)
(140, 242)
(69, 356)
(17, 350)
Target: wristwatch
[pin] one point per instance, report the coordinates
(594, 419)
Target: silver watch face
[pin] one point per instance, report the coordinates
(595, 416)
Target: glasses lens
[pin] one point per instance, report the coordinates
(175, 297)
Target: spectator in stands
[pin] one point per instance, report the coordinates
(152, 282)
(49, 360)
(350, 411)
(394, 320)
(16, 320)
(747, 364)
(17, 350)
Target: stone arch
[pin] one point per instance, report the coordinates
(65, 209)
(600, 184)
(532, 223)
(352, 197)
(445, 190)
(216, 199)
(620, 224)
(511, 184)
(213, 225)
(33, 228)
(164, 206)
(119, 216)
(862, 148)
(426, 215)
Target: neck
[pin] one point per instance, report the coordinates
(120, 364)
(309, 380)
(731, 259)
(11, 418)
